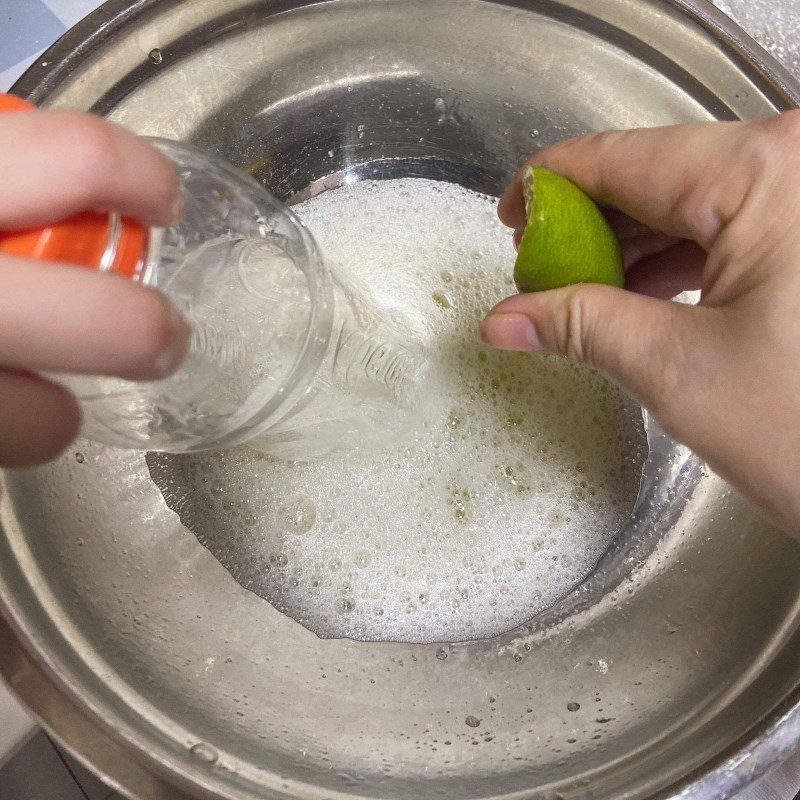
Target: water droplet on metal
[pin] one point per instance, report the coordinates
(204, 752)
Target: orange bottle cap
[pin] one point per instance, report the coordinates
(11, 102)
(89, 239)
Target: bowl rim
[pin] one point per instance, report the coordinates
(73, 724)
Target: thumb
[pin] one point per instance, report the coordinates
(647, 345)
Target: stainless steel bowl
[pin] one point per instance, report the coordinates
(676, 678)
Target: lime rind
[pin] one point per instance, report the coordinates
(566, 240)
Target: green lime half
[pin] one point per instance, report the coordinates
(566, 239)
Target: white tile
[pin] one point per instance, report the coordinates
(16, 725)
(71, 11)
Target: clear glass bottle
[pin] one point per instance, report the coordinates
(284, 354)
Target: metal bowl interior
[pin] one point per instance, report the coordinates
(208, 686)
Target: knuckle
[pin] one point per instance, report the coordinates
(758, 154)
(708, 205)
(576, 324)
(781, 155)
(713, 197)
(785, 127)
(585, 155)
(776, 149)
(673, 359)
(763, 166)
(666, 373)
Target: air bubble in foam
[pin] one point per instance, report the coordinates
(520, 472)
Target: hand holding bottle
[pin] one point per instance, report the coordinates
(284, 353)
(58, 318)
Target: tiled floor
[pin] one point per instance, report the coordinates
(40, 771)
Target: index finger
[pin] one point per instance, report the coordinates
(62, 318)
(58, 163)
(685, 180)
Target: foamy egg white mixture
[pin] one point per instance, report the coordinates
(495, 507)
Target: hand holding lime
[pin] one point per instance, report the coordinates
(566, 240)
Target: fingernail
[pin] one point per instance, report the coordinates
(180, 336)
(510, 332)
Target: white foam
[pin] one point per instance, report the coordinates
(504, 498)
